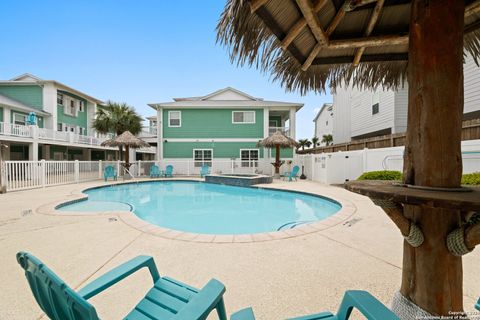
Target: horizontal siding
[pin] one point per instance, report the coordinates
(80, 120)
(213, 123)
(362, 120)
(401, 110)
(220, 149)
(31, 96)
(471, 73)
(342, 120)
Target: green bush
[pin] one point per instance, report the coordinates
(381, 175)
(471, 178)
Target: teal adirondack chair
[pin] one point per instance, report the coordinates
(205, 170)
(477, 306)
(291, 174)
(154, 171)
(109, 172)
(363, 301)
(168, 298)
(169, 171)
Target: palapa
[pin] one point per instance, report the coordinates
(312, 45)
(277, 140)
(127, 140)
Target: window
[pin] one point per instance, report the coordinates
(326, 123)
(202, 157)
(59, 126)
(174, 118)
(243, 117)
(69, 107)
(60, 99)
(81, 105)
(272, 123)
(249, 158)
(82, 131)
(19, 119)
(375, 103)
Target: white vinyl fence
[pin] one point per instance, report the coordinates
(338, 167)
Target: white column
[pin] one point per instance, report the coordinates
(291, 117)
(33, 151)
(266, 129)
(6, 115)
(159, 133)
(50, 105)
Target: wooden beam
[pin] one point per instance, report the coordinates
(472, 236)
(336, 21)
(377, 41)
(311, 57)
(300, 24)
(256, 4)
(353, 4)
(371, 24)
(312, 20)
(365, 58)
(472, 8)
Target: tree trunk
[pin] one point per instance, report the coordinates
(277, 159)
(120, 153)
(127, 157)
(432, 277)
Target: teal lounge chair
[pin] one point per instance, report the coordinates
(168, 298)
(292, 174)
(154, 171)
(477, 306)
(169, 171)
(205, 170)
(109, 172)
(363, 301)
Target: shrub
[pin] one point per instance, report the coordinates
(471, 178)
(381, 175)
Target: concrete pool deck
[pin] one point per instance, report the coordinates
(279, 278)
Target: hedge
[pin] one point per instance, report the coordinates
(467, 179)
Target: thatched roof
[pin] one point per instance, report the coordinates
(309, 44)
(278, 138)
(126, 139)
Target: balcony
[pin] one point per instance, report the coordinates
(284, 130)
(148, 132)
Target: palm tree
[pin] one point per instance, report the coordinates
(304, 143)
(117, 118)
(315, 141)
(327, 139)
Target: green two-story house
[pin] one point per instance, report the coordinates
(226, 124)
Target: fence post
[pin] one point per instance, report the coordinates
(43, 172)
(76, 171)
(188, 167)
(365, 159)
(118, 167)
(312, 165)
(100, 169)
(231, 165)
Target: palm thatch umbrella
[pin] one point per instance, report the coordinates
(277, 140)
(313, 44)
(127, 140)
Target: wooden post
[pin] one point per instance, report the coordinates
(277, 159)
(432, 277)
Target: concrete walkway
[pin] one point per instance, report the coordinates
(279, 278)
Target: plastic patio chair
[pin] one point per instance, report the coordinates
(168, 298)
(363, 301)
(204, 170)
(169, 171)
(154, 171)
(110, 172)
(291, 174)
(477, 305)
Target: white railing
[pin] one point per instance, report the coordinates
(148, 132)
(284, 130)
(17, 130)
(49, 134)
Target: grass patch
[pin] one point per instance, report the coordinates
(381, 175)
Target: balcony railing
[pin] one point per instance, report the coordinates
(284, 130)
(17, 130)
(148, 132)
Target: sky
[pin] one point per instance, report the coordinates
(136, 52)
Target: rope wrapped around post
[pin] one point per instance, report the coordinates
(463, 240)
(410, 231)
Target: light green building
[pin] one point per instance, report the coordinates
(226, 124)
(63, 128)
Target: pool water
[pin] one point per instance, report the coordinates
(209, 208)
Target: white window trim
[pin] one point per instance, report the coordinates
(243, 122)
(251, 162)
(203, 149)
(179, 118)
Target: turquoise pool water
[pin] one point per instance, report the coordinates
(209, 208)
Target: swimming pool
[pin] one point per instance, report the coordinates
(206, 208)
